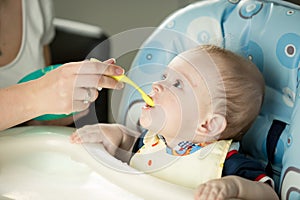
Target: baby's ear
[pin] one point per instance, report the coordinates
(213, 126)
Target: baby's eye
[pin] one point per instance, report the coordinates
(177, 84)
(164, 77)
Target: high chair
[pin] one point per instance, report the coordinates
(265, 31)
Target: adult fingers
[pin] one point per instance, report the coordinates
(85, 94)
(88, 81)
(90, 67)
(110, 61)
(97, 81)
(80, 105)
(108, 82)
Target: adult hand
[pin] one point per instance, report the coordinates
(73, 86)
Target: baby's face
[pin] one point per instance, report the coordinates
(181, 102)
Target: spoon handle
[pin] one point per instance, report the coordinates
(127, 80)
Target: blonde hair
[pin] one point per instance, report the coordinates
(244, 90)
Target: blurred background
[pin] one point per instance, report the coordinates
(115, 17)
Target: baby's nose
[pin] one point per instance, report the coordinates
(157, 88)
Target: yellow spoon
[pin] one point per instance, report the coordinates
(125, 79)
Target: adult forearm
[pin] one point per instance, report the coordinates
(18, 104)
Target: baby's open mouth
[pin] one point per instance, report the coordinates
(147, 105)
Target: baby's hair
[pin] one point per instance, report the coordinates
(244, 90)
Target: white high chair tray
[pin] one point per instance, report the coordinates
(41, 163)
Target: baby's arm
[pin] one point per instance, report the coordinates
(117, 139)
(235, 187)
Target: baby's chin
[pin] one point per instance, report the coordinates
(152, 121)
(149, 124)
(145, 122)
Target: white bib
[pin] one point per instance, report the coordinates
(189, 170)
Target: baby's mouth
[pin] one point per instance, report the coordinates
(147, 105)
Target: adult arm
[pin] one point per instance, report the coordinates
(61, 91)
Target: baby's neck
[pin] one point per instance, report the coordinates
(172, 142)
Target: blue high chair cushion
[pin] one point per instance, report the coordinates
(264, 31)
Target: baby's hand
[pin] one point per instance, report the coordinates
(218, 189)
(87, 134)
(110, 135)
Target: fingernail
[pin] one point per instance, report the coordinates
(119, 71)
(99, 88)
(111, 61)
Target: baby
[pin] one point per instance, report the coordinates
(206, 101)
